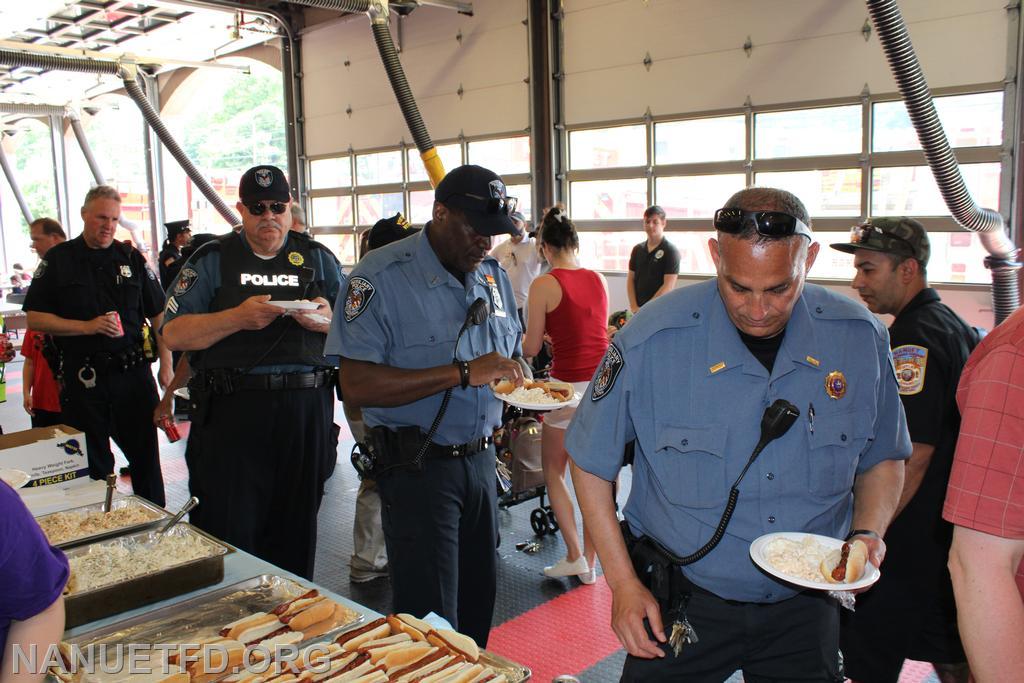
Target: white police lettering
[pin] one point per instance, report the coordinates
(269, 280)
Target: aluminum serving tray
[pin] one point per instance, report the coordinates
(81, 608)
(515, 673)
(160, 515)
(204, 616)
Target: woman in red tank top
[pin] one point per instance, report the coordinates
(569, 307)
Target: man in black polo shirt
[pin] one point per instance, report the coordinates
(910, 613)
(654, 264)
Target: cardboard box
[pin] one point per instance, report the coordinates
(56, 461)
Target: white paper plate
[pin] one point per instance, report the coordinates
(571, 403)
(182, 392)
(296, 305)
(757, 553)
(318, 318)
(16, 478)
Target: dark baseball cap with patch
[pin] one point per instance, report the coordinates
(175, 228)
(900, 236)
(388, 230)
(481, 194)
(264, 183)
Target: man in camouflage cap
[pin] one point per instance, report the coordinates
(910, 613)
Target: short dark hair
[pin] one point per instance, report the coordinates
(557, 230)
(655, 210)
(49, 227)
(762, 198)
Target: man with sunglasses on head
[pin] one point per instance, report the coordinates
(689, 378)
(910, 613)
(252, 309)
(418, 362)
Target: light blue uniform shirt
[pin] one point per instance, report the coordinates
(403, 309)
(206, 263)
(679, 379)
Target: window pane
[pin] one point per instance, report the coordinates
(329, 211)
(696, 196)
(807, 132)
(421, 205)
(373, 207)
(343, 246)
(596, 199)
(684, 142)
(506, 155)
(524, 199)
(911, 190)
(611, 250)
(824, 193)
(974, 120)
(608, 147)
(384, 167)
(451, 157)
(956, 257)
(324, 173)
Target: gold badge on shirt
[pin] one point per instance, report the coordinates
(295, 258)
(835, 384)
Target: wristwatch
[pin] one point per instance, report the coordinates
(463, 373)
(862, 532)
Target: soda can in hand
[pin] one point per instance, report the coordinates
(117, 319)
(170, 428)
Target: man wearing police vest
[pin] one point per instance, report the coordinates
(252, 308)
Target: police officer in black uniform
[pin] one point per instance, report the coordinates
(910, 613)
(179, 234)
(93, 294)
(261, 443)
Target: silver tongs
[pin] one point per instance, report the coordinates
(192, 502)
(111, 484)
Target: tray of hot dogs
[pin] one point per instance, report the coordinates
(208, 637)
(89, 523)
(125, 572)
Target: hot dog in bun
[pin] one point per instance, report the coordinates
(846, 564)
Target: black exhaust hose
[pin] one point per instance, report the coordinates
(135, 91)
(906, 70)
(57, 62)
(393, 67)
(32, 109)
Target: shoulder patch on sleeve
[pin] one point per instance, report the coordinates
(910, 362)
(150, 273)
(172, 304)
(607, 373)
(360, 291)
(187, 279)
(40, 269)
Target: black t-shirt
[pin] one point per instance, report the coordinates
(930, 345)
(79, 283)
(649, 268)
(764, 348)
(169, 271)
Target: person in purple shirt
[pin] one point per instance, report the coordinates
(32, 578)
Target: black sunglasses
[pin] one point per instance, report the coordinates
(767, 223)
(492, 205)
(260, 208)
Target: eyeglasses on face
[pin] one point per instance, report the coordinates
(260, 208)
(767, 223)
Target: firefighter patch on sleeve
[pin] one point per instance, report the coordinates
(360, 291)
(187, 278)
(611, 365)
(910, 362)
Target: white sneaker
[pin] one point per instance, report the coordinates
(588, 578)
(567, 568)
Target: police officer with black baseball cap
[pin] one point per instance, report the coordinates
(910, 612)
(252, 308)
(418, 363)
(179, 234)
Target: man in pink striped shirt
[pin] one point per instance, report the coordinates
(985, 501)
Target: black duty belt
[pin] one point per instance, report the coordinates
(226, 382)
(461, 450)
(104, 362)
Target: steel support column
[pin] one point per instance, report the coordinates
(60, 172)
(542, 138)
(154, 168)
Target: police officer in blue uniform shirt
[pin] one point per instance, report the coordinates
(425, 397)
(261, 444)
(93, 294)
(689, 379)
